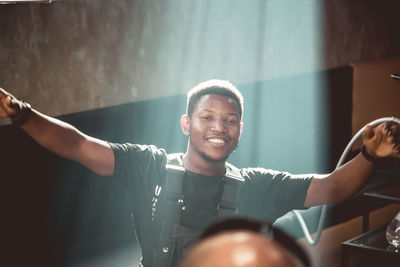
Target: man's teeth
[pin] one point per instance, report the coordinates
(216, 140)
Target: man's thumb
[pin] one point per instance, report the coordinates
(368, 132)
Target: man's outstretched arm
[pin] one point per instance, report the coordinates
(345, 181)
(59, 137)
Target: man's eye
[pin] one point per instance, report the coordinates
(207, 118)
(232, 121)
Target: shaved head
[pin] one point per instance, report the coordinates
(238, 249)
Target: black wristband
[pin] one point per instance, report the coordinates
(22, 116)
(366, 155)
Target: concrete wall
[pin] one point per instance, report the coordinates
(76, 55)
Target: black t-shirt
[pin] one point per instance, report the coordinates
(201, 197)
(265, 194)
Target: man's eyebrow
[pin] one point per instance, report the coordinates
(212, 111)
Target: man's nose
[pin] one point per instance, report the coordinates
(218, 125)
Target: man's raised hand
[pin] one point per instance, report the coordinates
(383, 140)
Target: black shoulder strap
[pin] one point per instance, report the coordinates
(168, 213)
(228, 204)
(171, 205)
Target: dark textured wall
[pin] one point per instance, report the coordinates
(356, 31)
(76, 55)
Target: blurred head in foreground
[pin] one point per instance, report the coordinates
(238, 248)
(245, 243)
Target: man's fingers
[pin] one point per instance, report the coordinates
(394, 130)
(384, 139)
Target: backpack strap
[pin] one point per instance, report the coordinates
(228, 204)
(171, 204)
(168, 213)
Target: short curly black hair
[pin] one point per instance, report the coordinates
(218, 87)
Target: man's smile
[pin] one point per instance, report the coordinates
(216, 140)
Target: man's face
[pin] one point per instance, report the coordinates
(215, 127)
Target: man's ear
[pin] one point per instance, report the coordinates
(185, 124)
(241, 129)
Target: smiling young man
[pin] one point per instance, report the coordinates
(213, 125)
(175, 196)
